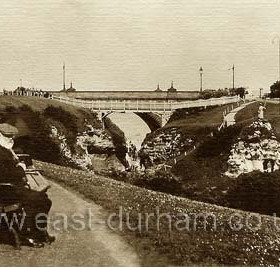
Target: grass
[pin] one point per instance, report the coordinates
(211, 117)
(248, 114)
(223, 245)
(195, 123)
(41, 104)
(34, 117)
(272, 114)
(201, 172)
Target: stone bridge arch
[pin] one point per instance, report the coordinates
(152, 119)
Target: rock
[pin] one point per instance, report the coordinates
(104, 163)
(92, 141)
(256, 145)
(166, 146)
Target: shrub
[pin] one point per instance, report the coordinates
(68, 120)
(118, 139)
(162, 181)
(39, 145)
(256, 192)
(220, 142)
(210, 157)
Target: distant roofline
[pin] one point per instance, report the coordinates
(94, 91)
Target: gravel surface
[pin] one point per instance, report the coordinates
(94, 246)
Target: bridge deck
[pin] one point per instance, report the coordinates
(145, 106)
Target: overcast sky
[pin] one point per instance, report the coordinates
(134, 44)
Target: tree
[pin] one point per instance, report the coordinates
(275, 89)
(240, 91)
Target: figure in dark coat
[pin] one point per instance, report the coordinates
(12, 171)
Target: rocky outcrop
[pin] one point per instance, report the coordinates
(93, 150)
(257, 149)
(166, 145)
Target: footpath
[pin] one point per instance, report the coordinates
(229, 119)
(80, 242)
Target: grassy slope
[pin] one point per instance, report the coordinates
(203, 180)
(40, 104)
(248, 114)
(201, 171)
(272, 114)
(221, 246)
(208, 118)
(196, 125)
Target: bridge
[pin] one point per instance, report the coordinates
(155, 113)
(157, 95)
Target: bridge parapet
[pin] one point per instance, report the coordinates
(145, 106)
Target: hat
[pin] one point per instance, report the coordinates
(8, 130)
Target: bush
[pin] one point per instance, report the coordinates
(39, 145)
(275, 89)
(68, 120)
(118, 139)
(220, 142)
(210, 157)
(161, 181)
(256, 192)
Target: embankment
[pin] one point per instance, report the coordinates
(188, 232)
(62, 134)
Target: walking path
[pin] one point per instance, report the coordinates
(229, 119)
(97, 246)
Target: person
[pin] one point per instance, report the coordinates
(12, 171)
(261, 111)
(265, 161)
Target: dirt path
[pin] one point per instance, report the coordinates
(97, 246)
(230, 117)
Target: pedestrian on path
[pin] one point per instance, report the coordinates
(261, 111)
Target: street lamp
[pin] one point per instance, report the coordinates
(261, 89)
(201, 74)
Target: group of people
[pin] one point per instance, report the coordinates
(12, 172)
(248, 157)
(257, 150)
(132, 151)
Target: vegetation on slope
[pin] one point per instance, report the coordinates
(235, 240)
(34, 118)
(118, 138)
(201, 172)
(197, 121)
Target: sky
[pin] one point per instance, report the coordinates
(136, 44)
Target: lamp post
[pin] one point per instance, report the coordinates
(233, 70)
(201, 74)
(261, 89)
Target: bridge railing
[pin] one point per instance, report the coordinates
(145, 106)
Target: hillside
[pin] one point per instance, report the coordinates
(185, 129)
(59, 133)
(200, 174)
(195, 233)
